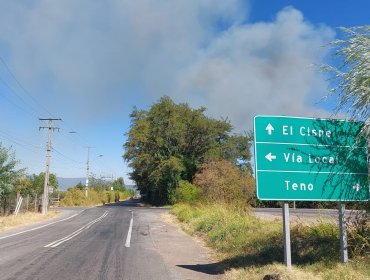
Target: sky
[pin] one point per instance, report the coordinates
(90, 62)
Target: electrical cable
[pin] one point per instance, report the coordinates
(23, 88)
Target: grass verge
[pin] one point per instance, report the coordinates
(8, 222)
(249, 248)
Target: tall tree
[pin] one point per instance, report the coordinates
(170, 141)
(119, 184)
(9, 174)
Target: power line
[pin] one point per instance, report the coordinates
(30, 108)
(22, 87)
(19, 142)
(66, 157)
(15, 104)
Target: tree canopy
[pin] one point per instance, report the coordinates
(38, 181)
(170, 141)
(9, 174)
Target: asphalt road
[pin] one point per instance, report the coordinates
(119, 241)
(108, 242)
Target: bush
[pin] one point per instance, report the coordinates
(221, 181)
(187, 192)
(76, 197)
(358, 234)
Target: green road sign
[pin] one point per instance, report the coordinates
(310, 159)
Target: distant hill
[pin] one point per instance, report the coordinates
(132, 187)
(65, 183)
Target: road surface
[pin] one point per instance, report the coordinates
(108, 242)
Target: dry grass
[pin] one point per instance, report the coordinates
(317, 272)
(249, 248)
(9, 222)
(259, 272)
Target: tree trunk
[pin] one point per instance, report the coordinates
(4, 205)
(36, 203)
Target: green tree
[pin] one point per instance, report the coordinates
(119, 185)
(80, 186)
(23, 186)
(38, 181)
(170, 141)
(9, 174)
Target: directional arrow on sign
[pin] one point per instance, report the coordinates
(269, 128)
(270, 156)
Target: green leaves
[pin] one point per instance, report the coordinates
(351, 76)
(38, 181)
(8, 172)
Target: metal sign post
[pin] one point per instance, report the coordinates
(343, 233)
(286, 229)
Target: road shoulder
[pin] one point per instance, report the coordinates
(185, 257)
(61, 214)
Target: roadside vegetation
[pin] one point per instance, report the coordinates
(169, 143)
(76, 197)
(14, 183)
(16, 186)
(250, 248)
(100, 192)
(27, 218)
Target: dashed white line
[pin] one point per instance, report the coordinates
(49, 224)
(75, 233)
(128, 238)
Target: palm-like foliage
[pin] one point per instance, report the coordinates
(351, 77)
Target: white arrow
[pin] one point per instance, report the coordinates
(270, 156)
(269, 128)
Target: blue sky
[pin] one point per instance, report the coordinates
(90, 62)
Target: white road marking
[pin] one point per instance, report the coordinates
(75, 233)
(32, 229)
(128, 238)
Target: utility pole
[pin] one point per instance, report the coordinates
(87, 170)
(45, 196)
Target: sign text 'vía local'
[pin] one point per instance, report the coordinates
(310, 159)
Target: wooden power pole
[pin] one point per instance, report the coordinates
(45, 196)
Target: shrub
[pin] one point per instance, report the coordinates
(222, 181)
(187, 192)
(76, 197)
(358, 234)
(73, 197)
